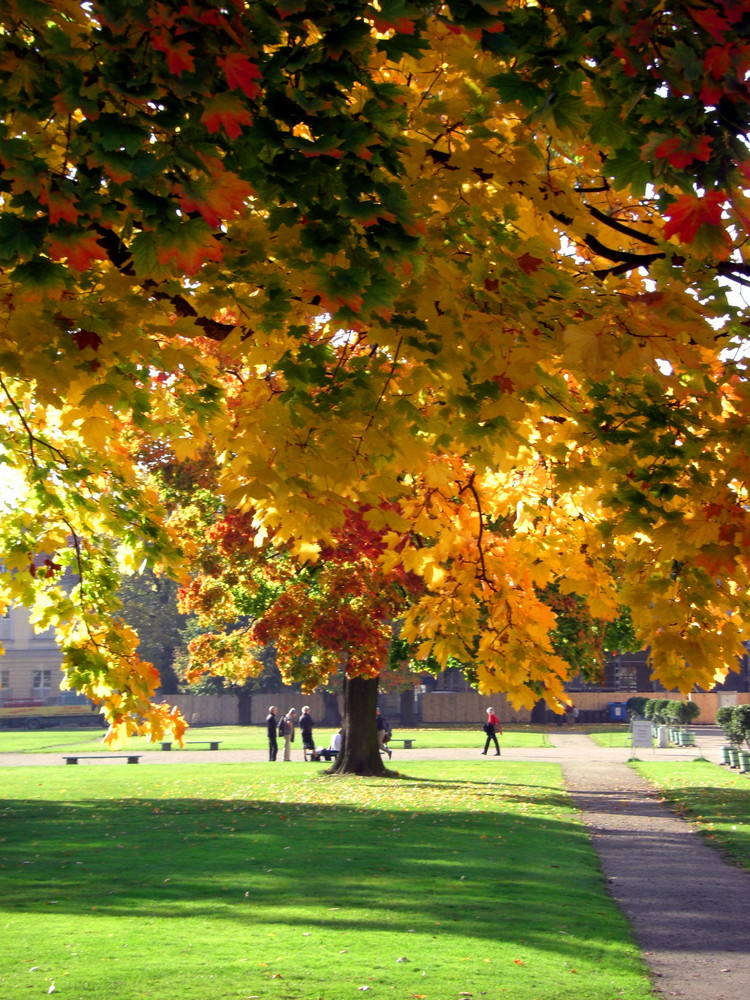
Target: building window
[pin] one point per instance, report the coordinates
(42, 680)
(626, 676)
(4, 680)
(5, 626)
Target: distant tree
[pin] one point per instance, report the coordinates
(197, 681)
(149, 605)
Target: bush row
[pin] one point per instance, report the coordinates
(662, 711)
(735, 721)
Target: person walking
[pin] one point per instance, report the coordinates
(286, 729)
(306, 728)
(382, 727)
(492, 727)
(273, 746)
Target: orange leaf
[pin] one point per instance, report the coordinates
(690, 212)
(80, 249)
(226, 112)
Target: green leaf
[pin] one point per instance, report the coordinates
(513, 87)
(20, 237)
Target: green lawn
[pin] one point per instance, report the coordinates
(248, 738)
(234, 882)
(715, 799)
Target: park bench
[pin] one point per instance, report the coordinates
(407, 744)
(131, 758)
(211, 744)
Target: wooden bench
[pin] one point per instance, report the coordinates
(407, 744)
(211, 744)
(131, 758)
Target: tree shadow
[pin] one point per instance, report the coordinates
(490, 866)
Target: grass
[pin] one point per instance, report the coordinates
(612, 738)
(247, 738)
(715, 800)
(235, 882)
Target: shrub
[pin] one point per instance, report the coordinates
(727, 718)
(683, 712)
(661, 708)
(635, 707)
(741, 722)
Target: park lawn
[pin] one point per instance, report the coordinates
(715, 800)
(245, 738)
(238, 881)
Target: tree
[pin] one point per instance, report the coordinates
(242, 687)
(149, 605)
(333, 618)
(464, 265)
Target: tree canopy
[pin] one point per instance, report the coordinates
(474, 268)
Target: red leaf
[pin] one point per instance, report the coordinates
(529, 264)
(227, 112)
(178, 54)
(59, 207)
(690, 212)
(681, 153)
(80, 250)
(241, 74)
(401, 25)
(87, 338)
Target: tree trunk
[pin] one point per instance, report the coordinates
(359, 752)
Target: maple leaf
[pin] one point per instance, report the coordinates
(179, 54)
(59, 206)
(690, 212)
(401, 25)
(681, 153)
(241, 74)
(529, 263)
(225, 111)
(188, 247)
(86, 338)
(79, 249)
(218, 199)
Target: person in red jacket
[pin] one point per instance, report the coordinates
(492, 727)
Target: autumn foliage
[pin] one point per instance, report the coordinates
(466, 270)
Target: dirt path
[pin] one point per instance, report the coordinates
(690, 911)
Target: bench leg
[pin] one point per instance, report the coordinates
(71, 760)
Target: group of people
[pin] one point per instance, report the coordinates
(284, 728)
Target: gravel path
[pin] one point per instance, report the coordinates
(690, 911)
(687, 907)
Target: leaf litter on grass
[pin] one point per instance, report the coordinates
(350, 865)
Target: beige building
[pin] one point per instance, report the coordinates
(30, 668)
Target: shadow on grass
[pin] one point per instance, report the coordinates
(496, 868)
(721, 814)
(551, 795)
